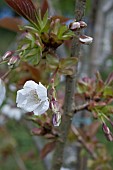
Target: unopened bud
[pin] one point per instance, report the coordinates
(7, 55)
(107, 132)
(105, 129)
(82, 24)
(38, 131)
(74, 26)
(56, 119)
(85, 39)
(54, 106)
(13, 60)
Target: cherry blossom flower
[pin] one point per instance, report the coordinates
(33, 97)
(2, 91)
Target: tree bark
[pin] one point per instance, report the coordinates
(69, 94)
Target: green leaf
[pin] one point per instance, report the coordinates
(31, 37)
(68, 62)
(68, 71)
(107, 109)
(45, 19)
(82, 87)
(61, 31)
(66, 65)
(32, 56)
(52, 62)
(108, 91)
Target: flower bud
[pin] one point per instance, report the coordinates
(105, 129)
(82, 24)
(107, 132)
(38, 131)
(54, 106)
(56, 119)
(85, 39)
(13, 60)
(74, 26)
(7, 55)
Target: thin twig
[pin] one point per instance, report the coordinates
(19, 161)
(81, 107)
(83, 142)
(6, 74)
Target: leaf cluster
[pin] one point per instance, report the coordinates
(98, 93)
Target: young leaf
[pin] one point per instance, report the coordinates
(11, 23)
(24, 8)
(47, 149)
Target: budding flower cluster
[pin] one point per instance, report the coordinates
(79, 25)
(11, 58)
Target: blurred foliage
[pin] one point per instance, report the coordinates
(2, 3)
(24, 147)
(7, 38)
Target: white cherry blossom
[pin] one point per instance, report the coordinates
(2, 91)
(33, 97)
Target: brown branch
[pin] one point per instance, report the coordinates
(83, 142)
(81, 107)
(69, 94)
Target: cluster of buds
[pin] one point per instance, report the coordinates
(77, 25)
(80, 25)
(10, 58)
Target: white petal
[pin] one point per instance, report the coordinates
(2, 92)
(42, 108)
(26, 102)
(42, 92)
(30, 84)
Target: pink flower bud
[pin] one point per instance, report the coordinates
(85, 39)
(38, 131)
(74, 26)
(107, 132)
(7, 55)
(105, 129)
(56, 119)
(82, 24)
(13, 60)
(54, 106)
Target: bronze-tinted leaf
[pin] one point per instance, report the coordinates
(24, 8)
(62, 19)
(44, 7)
(11, 23)
(47, 148)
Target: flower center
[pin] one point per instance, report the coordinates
(34, 96)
